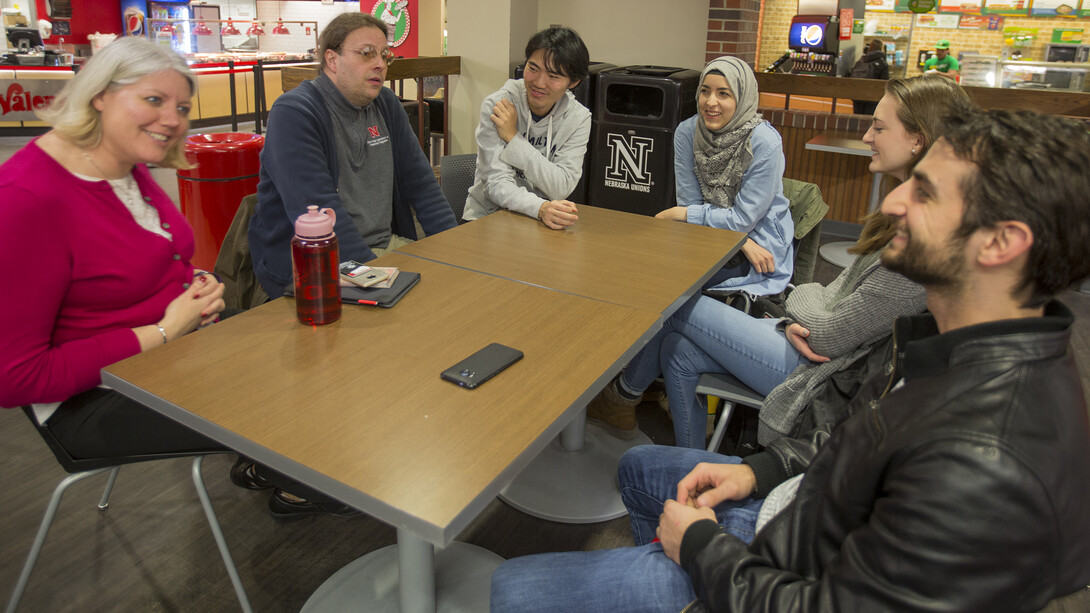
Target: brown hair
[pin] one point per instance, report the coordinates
(923, 103)
(332, 37)
(1030, 168)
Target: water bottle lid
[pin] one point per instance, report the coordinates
(315, 223)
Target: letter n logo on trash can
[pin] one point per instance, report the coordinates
(628, 159)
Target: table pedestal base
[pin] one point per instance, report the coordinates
(461, 582)
(837, 253)
(575, 487)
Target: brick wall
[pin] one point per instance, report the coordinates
(777, 21)
(733, 29)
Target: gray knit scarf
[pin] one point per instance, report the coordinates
(722, 157)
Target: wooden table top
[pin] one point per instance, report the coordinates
(608, 255)
(357, 409)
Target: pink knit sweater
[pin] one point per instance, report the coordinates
(78, 274)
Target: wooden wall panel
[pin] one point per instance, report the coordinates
(844, 179)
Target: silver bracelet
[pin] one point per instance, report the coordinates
(163, 332)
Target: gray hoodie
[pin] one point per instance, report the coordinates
(542, 162)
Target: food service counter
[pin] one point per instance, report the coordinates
(24, 88)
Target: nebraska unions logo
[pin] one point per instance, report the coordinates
(628, 162)
(395, 14)
(373, 131)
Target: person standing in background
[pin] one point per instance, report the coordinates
(942, 63)
(872, 65)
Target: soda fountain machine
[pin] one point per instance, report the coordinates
(814, 45)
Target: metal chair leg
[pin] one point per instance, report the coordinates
(721, 425)
(105, 501)
(43, 530)
(221, 542)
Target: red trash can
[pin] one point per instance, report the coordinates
(226, 167)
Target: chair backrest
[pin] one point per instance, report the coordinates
(456, 177)
(78, 465)
(234, 266)
(808, 208)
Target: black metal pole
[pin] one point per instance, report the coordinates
(231, 82)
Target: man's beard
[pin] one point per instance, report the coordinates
(936, 269)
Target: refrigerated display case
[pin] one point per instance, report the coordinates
(184, 28)
(1054, 76)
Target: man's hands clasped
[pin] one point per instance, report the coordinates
(698, 493)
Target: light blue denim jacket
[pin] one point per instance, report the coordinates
(760, 208)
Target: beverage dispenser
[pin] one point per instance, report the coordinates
(814, 45)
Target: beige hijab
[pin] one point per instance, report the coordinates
(722, 156)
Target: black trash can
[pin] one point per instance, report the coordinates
(638, 108)
(585, 93)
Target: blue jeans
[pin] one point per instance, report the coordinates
(706, 335)
(637, 578)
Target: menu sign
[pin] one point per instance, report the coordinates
(1066, 35)
(1006, 7)
(881, 5)
(931, 20)
(960, 6)
(1054, 8)
(846, 18)
(981, 22)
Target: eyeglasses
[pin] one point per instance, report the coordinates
(368, 53)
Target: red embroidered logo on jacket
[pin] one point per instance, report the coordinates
(374, 131)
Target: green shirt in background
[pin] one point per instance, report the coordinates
(946, 64)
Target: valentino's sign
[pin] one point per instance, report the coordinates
(19, 98)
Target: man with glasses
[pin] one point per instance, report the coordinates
(533, 135)
(343, 141)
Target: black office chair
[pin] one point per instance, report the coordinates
(82, 468)
(455, 178)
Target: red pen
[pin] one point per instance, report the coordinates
(370, 302)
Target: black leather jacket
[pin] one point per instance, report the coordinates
(967, 488)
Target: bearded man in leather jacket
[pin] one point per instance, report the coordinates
(958, 479)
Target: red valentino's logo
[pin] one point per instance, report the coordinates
(374, 131)
(18, 99)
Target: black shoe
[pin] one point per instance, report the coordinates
(288, 507)
(245, 474)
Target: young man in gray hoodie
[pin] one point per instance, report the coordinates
(533, 135)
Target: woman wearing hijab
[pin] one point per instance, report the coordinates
(728, 165)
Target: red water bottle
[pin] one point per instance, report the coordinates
(314, 264)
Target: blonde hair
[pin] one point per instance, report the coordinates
(123, 62)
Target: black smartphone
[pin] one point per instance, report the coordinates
(482, 366)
